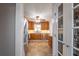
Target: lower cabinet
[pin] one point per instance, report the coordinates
(38, 36)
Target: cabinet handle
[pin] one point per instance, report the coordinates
(67, 45)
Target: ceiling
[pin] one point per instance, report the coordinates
(44, 10)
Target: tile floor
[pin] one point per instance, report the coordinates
(38, 48)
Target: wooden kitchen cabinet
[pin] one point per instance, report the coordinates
(34, 36)
(45, 25)
(50, 41)
(38, 36)
(30, 25)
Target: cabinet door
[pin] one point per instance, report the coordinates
(50, 41)
(30, 25)
(45, 25)
(35, 36)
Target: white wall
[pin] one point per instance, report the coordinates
(7, 29)
(38, 9)
(19, 27)
(55, 29)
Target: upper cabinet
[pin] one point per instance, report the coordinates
(45, 25)
(30, 25)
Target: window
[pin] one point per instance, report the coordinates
(76, 16)
(37, 27)
(60, 22)
(60, 36)
(60, 47)
(60, 30)
(76, 38)
(76, 29)
(76, 52)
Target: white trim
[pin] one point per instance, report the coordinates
(76, 48)
(27, 33)
(60, 41)
(77, 27)
(69, 45)
(60, 16)
(76, 6)
(60, 28)
(72, 29)
(60, 53)
(57, 28)
(19, 42)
